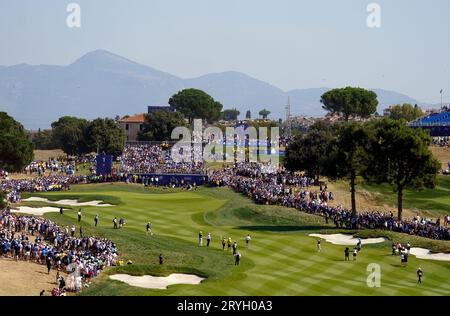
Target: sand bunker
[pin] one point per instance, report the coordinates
(66, 202)
(426, 254)
(347, 240)
(38, 211)
(161, 283)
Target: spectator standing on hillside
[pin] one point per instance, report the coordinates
(115, 222)
(148, 228)
(48, 262)
(79, 215)
(96, 220)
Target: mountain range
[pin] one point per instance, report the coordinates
(103, 84)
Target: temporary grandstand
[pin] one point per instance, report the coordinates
(438, 124)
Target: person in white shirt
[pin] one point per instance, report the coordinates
(247, 240)
(208, 239)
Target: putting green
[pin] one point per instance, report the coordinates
(282, 259)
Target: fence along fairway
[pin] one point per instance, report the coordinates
(282, 259)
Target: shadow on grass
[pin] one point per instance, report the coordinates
(282, 228)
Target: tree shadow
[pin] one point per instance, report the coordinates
(282, 228)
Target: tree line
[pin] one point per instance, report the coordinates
(378, 151)
(77, 136)
(189, 104)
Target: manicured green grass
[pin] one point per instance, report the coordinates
(282, 259)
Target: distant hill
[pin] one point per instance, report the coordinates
(101, 83)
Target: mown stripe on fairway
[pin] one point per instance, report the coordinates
(277, 263)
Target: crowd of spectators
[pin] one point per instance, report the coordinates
(295, 190)
(263, 183)
(40, 240)
(3, 174)
(148, 158)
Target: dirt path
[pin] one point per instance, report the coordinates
(24, 278)
(443, 154)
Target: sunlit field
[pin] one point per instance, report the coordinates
(282, 258)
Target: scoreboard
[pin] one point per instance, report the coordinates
(104, 164)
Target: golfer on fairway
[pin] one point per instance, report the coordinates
(148, 227)
(247, 240)
(237, 259)
(347, 254)
(208, 239)
(419, 275)
(200, 238)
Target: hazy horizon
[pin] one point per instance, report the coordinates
(290, 44)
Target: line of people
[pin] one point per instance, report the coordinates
(226, 242)
(292, 190)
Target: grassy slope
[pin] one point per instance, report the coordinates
(433, 201)
(281, 261)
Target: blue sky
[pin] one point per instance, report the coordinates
(289, 43)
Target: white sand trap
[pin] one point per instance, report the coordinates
(347, 240)
(38, 211)
(66, 202)
(426, 254)
(152, 282)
